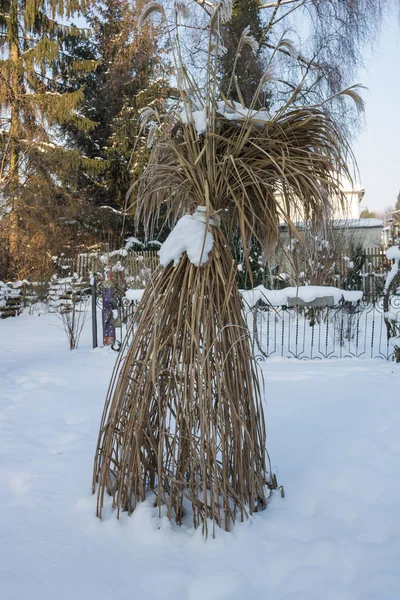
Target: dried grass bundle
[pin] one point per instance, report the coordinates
(183, 417)
(251, 172)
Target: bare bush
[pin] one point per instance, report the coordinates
(325, 256)
(72, 305)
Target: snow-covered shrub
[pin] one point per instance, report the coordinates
(258, 265)
(394, 340)
(391, 317)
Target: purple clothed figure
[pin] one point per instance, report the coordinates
(107, 312)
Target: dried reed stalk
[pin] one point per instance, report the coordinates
(183, 417)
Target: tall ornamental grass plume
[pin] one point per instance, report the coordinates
(183, 420)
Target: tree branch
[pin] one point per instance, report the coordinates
(287, 13)
(278, 4)
(307, 63)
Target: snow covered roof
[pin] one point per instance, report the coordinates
(351, 187)
(357, 223)
(343, 224)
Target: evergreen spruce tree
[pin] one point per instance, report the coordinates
(249, 67)
(129, 76)
(367, 214)
(34, 104)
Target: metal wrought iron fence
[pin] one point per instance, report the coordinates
(346, 330)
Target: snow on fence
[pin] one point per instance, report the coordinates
(9, 300)
(128, 267)
(15, 296)
(344, 330)
(51, 295)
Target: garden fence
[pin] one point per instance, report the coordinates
(347, 330)
(136, 267)
(374, 270)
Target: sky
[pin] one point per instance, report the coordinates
(377, 149)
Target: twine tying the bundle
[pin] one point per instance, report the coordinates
(200, 214)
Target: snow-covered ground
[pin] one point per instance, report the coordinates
(334, 440)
